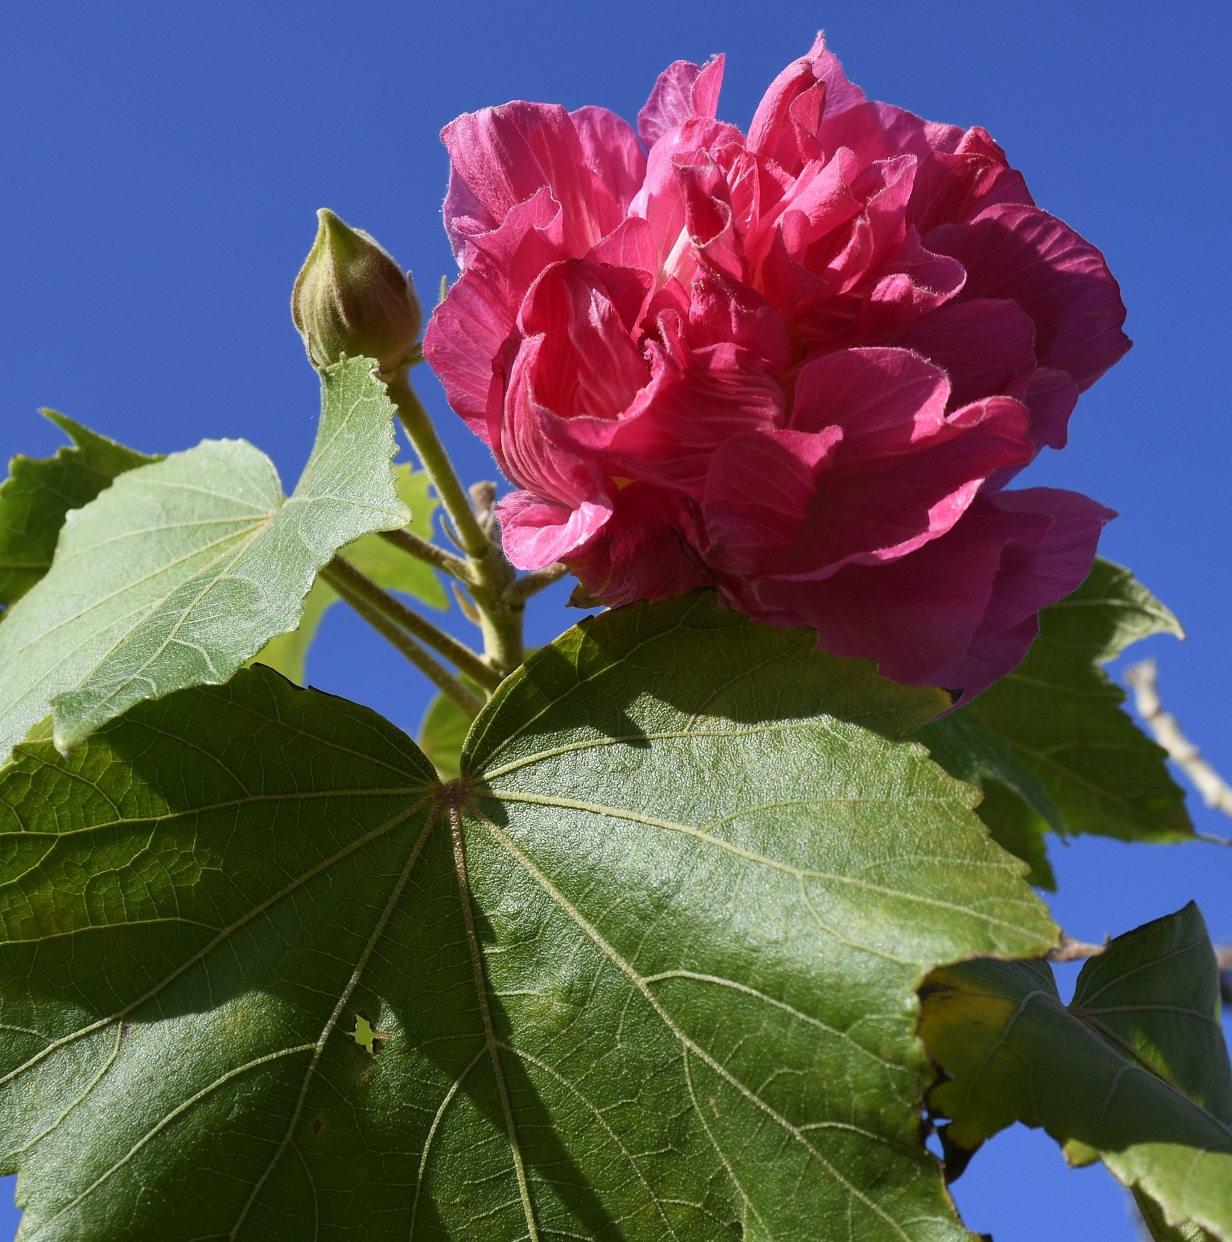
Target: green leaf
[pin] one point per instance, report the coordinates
(382, 562)
(1135, 1071)
(182, 570)
(1015, 827)
(1016, 805)
(645, 971)
(38, 494)
(1158, 1228)
(1060, 717)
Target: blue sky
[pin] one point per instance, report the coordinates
(163, 164)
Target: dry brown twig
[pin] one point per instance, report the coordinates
(1215, 791)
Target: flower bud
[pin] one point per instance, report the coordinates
(352, 299)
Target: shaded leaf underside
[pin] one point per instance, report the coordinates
(646, 970)
(1134, 1072)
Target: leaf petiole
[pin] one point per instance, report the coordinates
(531, 584)
(418, 547)
(387, 616)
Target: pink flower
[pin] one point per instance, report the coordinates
(798, 366)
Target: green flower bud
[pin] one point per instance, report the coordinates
(352, 299)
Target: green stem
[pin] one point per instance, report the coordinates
(537, 581)
(468, 661)
(490, 574)
(472, 537)
(378, 617)
(421, 549)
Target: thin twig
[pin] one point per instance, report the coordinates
(1215, 791)
(418, 547)
(1223, 958)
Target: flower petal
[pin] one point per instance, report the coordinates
(684, 90)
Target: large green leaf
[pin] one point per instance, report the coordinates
(646, 970)
(1050, 741)
(182, 570)
(38, 494)
(1016, 805)
(1135, 1071)
(380, 561)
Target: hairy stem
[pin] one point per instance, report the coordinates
(421, 549)
(472, 538)
(489, 574)
(423, 660)
(535, 582)
(468, 661)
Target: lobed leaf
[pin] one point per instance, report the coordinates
(645, 970)
(38, 495)
(1134, 1072)
(183, 569)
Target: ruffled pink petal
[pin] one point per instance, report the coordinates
(464, 343)
(684, 90)
(840, 93)
(660, 200)
(611, 150)
(758, 493)
(505, 155)
(695, 400)
(915, 282)
(1050, 396)
(574, 373)
(877, 131)
(464, 215)
(1041, 563)
(896, 472)
(983, 345)
(960, 612)
(534, 532)
(731, 312)
(1060, 280)
(954, 188)
(648, 551)
(785, 125)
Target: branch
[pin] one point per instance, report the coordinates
(339, 573)
(524, 588)
(418, 547)
(432, 668)
(1214, 789)
(1070, 950)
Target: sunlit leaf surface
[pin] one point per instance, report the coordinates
(38, 494)
(182, 570)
